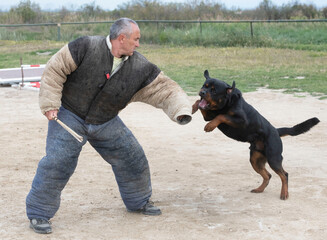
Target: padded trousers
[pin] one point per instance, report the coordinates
(112, 140)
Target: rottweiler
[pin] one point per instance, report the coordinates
(224, 107)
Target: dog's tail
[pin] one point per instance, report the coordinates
(299, 128)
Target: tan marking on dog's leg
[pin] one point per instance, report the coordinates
(258, 162)
(284, 191)
(195, 106)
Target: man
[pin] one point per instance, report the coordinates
(85, 85)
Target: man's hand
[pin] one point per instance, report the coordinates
(51, 114)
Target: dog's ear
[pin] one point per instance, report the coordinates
(230, 90)
(206, 74)
(233, 94)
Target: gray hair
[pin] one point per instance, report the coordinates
(121, 26)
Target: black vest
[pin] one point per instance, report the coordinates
(90, 92)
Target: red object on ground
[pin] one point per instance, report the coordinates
(36, 84)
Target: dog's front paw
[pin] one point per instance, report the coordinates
(209, 127)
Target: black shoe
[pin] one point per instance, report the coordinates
(40, 225)
(148, 209)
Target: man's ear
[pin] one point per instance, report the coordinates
(121, 37)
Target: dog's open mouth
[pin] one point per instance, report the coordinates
(203, 104)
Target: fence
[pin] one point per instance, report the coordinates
(161, 22)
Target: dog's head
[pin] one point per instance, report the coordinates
(216, 94)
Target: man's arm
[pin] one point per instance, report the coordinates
(54, 76)
(167, 95)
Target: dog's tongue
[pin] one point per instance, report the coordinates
(203, 103)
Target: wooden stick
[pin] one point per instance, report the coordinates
(71, 131)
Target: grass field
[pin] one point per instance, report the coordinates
(291, 35)
(295, 71)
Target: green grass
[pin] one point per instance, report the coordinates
(11, 52)
(250, 68)
(292, 70)
(299, 36)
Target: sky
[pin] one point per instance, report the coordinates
(113, 4)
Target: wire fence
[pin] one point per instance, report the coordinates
(156, 30)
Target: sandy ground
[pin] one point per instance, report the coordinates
(201, 181)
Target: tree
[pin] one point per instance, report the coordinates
(29, 12)
(270, 11)
(90, 10)
(309, 11)
(324, 12)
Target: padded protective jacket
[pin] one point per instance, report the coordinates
(78, 78)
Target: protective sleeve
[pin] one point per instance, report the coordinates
(53, 78)
(166, 94)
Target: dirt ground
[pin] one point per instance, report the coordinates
(201, 181)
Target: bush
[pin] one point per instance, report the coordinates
(28, 12)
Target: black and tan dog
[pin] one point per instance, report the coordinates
(224, 107)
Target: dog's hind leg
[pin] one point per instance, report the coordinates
(284, 177)
(275, 159)
(258, 162)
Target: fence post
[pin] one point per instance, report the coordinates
(59, 35)
(22, 71)
(200, 28)
(251, 29)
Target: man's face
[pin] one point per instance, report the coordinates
(132, 42)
